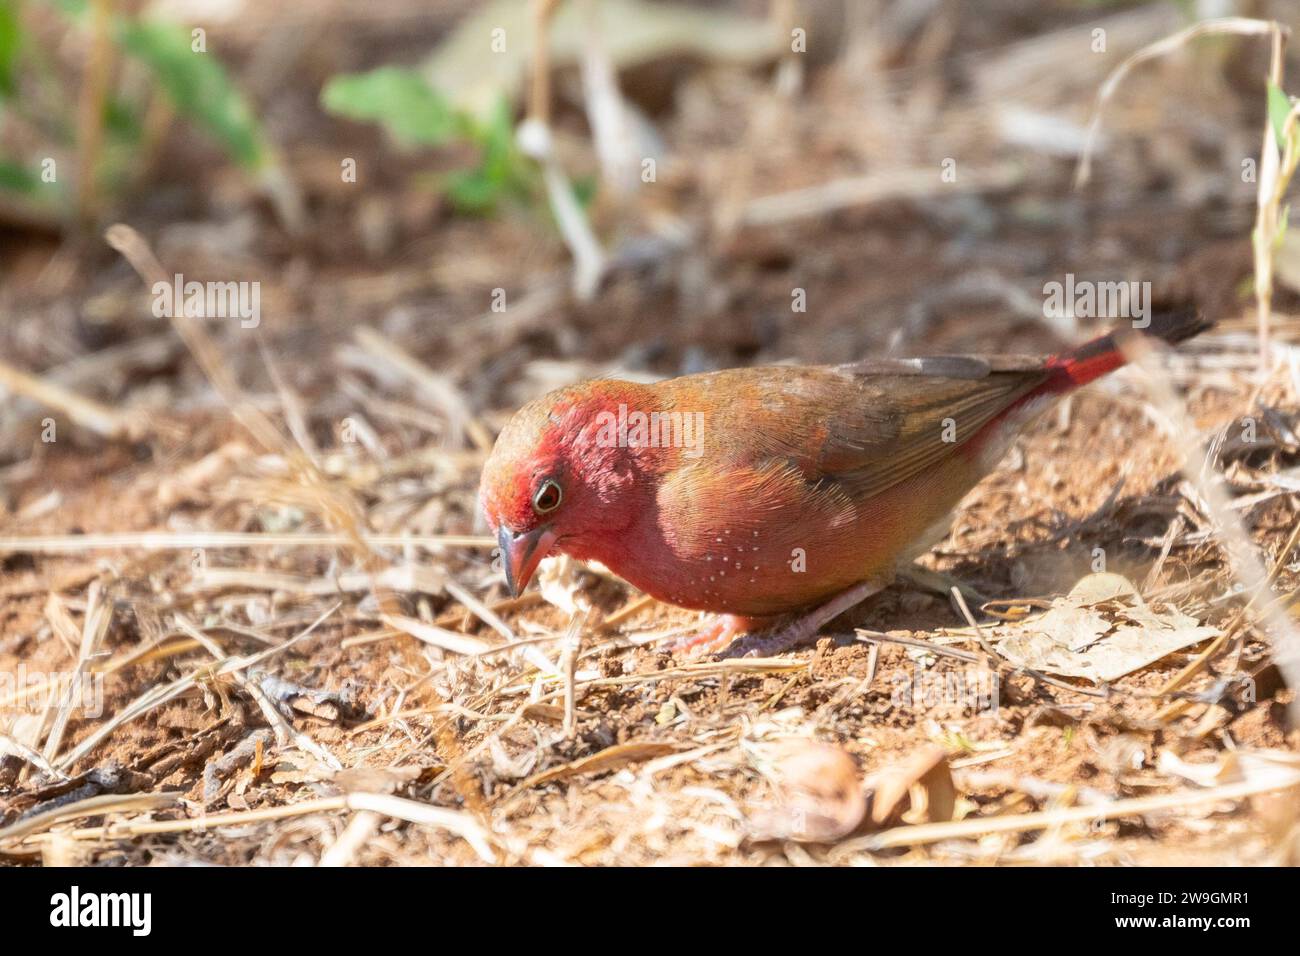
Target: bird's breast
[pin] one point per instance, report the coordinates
(737, 556)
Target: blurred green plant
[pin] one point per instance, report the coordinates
(414, 114)
(193, 82)
(15, 176)
(18, 178)
(398, 99)
(1287, 136)
(9, 42)
(198, 87)
(1279, 155)
(1277, 164)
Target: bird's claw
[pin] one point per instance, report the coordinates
(767, 643)
(803, 629)
(939, 582)
(716, 637)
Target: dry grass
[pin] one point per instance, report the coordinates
(527, 746)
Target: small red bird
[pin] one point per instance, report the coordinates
(762, 491)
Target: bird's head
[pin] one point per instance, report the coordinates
(555, 480)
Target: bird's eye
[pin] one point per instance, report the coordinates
(547, 498)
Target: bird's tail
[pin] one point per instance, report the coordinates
(1094, 359)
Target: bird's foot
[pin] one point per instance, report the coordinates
(803, 629)
(937, 582)
(722, 629)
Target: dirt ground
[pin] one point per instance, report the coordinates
(350, 681)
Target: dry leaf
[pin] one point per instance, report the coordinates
(1102, 630)
(1072, 626)
(923, 780)
(1101, 587)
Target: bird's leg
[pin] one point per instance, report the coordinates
(721, 631)
(937, 582)
(805, 628)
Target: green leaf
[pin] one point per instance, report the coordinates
(18, 179)
(120, 120)
(198, 87)
(397, 98)
(10, 43)
(584, 190)
(503, 171)
(473, 191)
(1279, 107)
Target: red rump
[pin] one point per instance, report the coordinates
(1102, 355)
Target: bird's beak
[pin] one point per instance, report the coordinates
(522, 553)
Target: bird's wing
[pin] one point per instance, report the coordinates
(867, 426)
(916, 420)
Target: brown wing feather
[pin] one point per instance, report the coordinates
(921, 405)
(862, 427)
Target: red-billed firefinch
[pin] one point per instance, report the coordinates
(761, 491)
